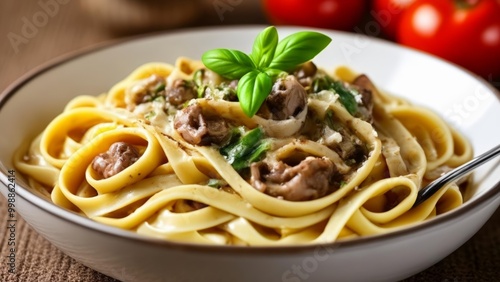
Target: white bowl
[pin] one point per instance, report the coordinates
(464, 100)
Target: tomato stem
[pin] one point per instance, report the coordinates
(466, 4)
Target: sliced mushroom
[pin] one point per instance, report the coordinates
(119, 156)
(305, 73)
(285, 109)
(199, 129)
(311, 179)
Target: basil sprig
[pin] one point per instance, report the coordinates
(269, 57)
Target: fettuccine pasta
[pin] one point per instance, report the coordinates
(167, 152)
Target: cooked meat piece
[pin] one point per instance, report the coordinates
(350, 148)
(311, 179)
(287, 99)
(179, 92)
(119, 156)
(232, 86)
(199, 129)
(365, 111)
(196, 205)
(190, 124)
(148, 89)
(305, 73)
(218, 131)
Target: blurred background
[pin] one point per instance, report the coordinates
(36, 31)
(465, 32)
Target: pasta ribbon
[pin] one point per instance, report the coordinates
(167, 152)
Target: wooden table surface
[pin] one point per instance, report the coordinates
(32, 34)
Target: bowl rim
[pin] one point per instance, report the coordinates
(73, 218)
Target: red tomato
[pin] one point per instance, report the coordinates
(466, 32)
(388, 14)
(332, 14)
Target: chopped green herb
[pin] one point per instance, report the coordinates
(158, 88)
(332, 122)
(150, 115)
(198, 77)
(242, 150)
(216, 183)
(346, 95)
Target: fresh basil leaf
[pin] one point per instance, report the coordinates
(253, 89)
(269, 58)
(231, 64)
(274, 72)
(264, 47)
(298, 48)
